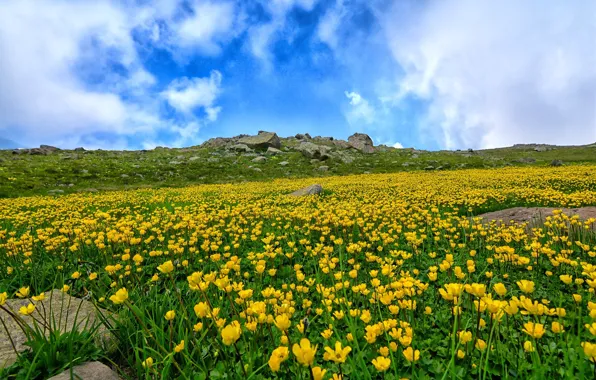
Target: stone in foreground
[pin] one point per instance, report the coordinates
(59, 309)
(310, 190)
(88, 371)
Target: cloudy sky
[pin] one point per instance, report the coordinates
(133, 74)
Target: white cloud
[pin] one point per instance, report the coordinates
(498, 73)
(397, 145)
(187, 94)
(330, 23)
(360, 111)
(210, 24)
(57, 83)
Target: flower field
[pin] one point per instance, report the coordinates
(381, 276)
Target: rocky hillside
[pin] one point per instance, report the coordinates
(50, 170)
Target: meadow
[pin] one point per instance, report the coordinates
(382, 276)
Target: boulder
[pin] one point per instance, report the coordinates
(309, 190)
(556, 163)
(273, 151)
(88, 371)
(310, 150)
(361, 142)
(284, 163)
(62, 311)
(262, 141)
(240, 148)
(342, 144)
(259, 159)
(216, 142)
(323, 168)
(300, 136)
(48, 148)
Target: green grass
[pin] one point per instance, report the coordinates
(69, 171)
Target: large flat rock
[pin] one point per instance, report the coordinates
(536, 215)
(58, 309)
(88, 371)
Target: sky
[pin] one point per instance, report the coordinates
(444, 74)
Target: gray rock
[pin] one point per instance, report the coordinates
(175, 162)
(56, 191)
(273, 151)
(525, 160)
(124, 175)
(217, 142)
(212, 159)
(342, 144)
(310, 150)
(323, 168)
(361, 142)
(304, 136)
(259, 159)
(48, 148)
(257, 169)
(79, 149)
(343, 156)
(194, 158)
(284, 163)
(556, 163)
(63, 311)
(262, 141)
(88, 371)
(429, 168)
(309, 190)
(240, 148)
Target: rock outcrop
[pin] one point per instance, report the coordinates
(309, 190)
(261, 141)
(361, 142)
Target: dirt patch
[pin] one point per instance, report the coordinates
(536, 215)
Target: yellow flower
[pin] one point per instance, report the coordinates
(557, 327)
(120, 296)
(338, 355)
(166, 267)
(577, 298)
(327, 333)
(535, 330)
(179, 347)
(170, 315)
(381, 363)
(23, 292)
(591, 328)
(3, 297)
(411, 355)
(231, 333)
(528, 346)
(92, 276)
(477, 290)
(278, 356)
(567, 279)
(27, 310)
(65, 288)
(526, 286)
(590, 350)
(461, 354)
(428, 310)
(500, 289)
(480, 344)
(465, 337)
(75, 275)
(282, 322)
(198, 327)
(318, 373)
(305, 353)
(147, 363)
(39, 297)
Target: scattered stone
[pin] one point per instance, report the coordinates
(175, 162)
(556, 163)
(259, 159)
(273, 151)
(257, 169)
(525, 160)
(309, 190)
(79, 149)
(284, 163)
(429, 168)
(48, 148)
(60, 309)
(415, 156)
(124, 175)
(342, 144)
(540, 149)
(361, 142)
(240, 148)
(56, 191)
(305, 136)
(406, 164)
(211, 159)
(262, 141)
(195, 158)
(323, 168)
(88, 371)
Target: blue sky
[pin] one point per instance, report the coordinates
(134, 74)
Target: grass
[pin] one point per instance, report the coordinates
(70, 172)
